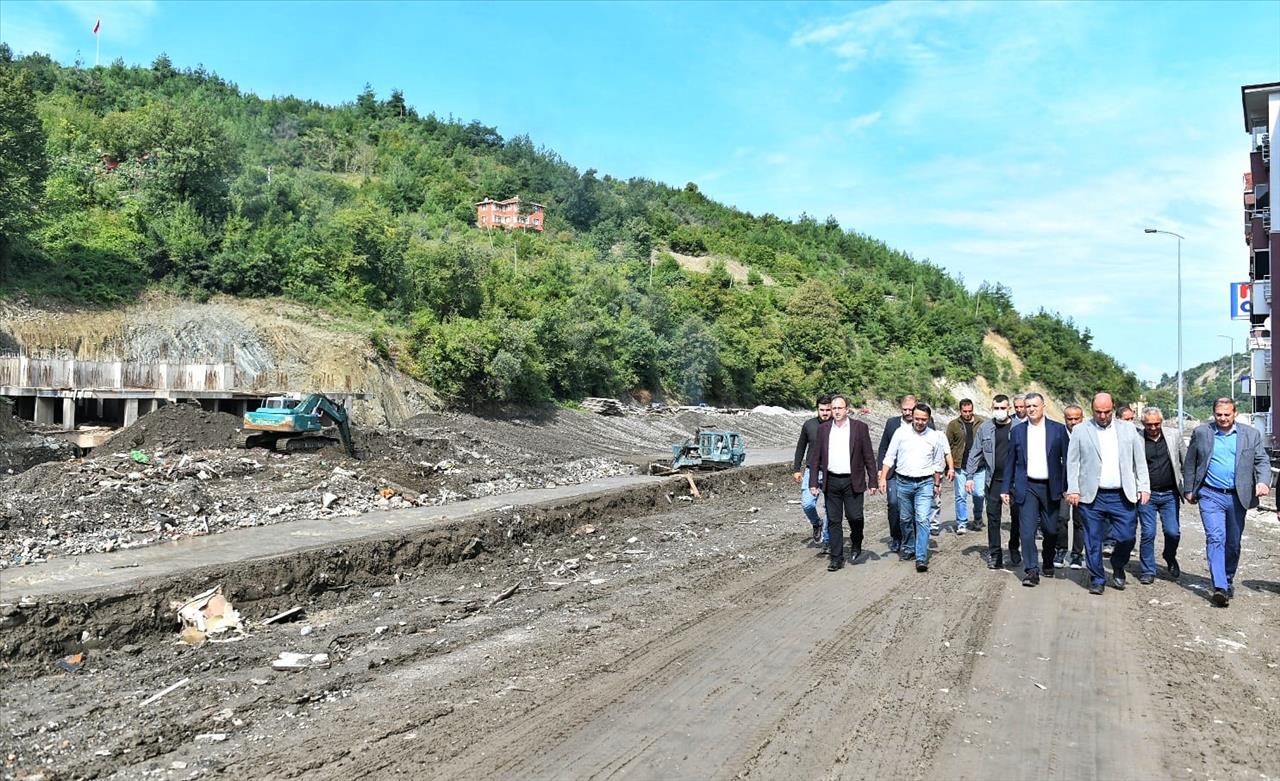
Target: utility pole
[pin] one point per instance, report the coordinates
(1179, 237)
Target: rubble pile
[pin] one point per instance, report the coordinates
(179, 428)
(140, 495)
(24, 445)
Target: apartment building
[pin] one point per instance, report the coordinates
(1261, 103)
(511, 214)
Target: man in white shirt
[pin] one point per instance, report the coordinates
(1034, 477)
(1107, 478)
(918, 454)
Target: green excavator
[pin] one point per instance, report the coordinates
(300, 423)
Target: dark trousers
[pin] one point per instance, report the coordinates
(895, 519)
(1038, 511)
(1070, 524)
(1109, 516)
(843, 504)
(994, 508)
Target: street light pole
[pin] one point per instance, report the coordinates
(1179, 237)
(1231, 345)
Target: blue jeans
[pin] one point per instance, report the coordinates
(809, 503)
(1223, 518)
(1164, 504)
(962, 497)
(915, 504)
(1110, 515)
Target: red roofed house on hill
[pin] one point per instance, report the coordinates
(512, 214)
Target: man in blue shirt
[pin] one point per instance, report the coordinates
(1226, 470)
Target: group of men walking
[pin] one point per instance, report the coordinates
(1087, 489)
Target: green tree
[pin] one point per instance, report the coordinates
(23, 166)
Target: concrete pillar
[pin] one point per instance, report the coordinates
(102, 409)
(130, 411)
(68, 414)
(45, 411)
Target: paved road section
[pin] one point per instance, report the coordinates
(105, 570)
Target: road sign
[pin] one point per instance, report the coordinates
(1241, 300)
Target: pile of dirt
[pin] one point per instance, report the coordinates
(23, 445)
(179, 428)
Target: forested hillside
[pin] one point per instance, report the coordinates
(116, 179)
(1202, 385)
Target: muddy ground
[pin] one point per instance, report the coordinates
(692, 638)
(176, 473)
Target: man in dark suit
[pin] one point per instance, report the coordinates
(906, 405)
(809, 502)
(1035, 475)
(1226, 470)
(842, 464)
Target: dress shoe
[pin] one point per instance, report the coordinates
(1077, 561)
(975, 526)
(854, 555)
(1015, 558)
(817, 534)
(1220, 597)
(921, 567)
(995, 560)
(1048, 571)
(1175, 571)
(835, 564)
(905, 556)
(1097, 589)
(1146, 580)
(1032, 578)
(1117, 582)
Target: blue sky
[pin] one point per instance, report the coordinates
(1023, 143)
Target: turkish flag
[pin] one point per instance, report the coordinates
(96, 26)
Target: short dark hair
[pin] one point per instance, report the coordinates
(824, 399)
(966, 402)
(925, 408)
(1224, 400)
(999, 397)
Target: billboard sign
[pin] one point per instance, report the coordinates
(1241, 300)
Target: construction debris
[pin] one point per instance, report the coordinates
(166, 690)
(288, 661)
(600, 406)
(288, 615)
(71, 663)
(207, 614)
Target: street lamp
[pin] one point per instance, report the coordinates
(1179, 238)
(1231, 345)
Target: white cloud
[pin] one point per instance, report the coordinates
(859, 122)
(899, 31)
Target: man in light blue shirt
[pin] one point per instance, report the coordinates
(1226, 470)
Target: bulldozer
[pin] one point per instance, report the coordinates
(706, 450)
(299, 422)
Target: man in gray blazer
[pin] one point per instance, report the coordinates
(1107, 479)
(1163, 449)
(1225, 472)
(987, 456)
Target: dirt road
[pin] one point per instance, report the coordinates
(698, 639)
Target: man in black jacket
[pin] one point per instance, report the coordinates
(800, 467)
(906, 405)
(842, 466)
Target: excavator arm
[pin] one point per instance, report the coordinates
(338, 415)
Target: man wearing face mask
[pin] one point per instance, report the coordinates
(1070, 524)
(1107, 477)
(844, 465)
(905, 405)
(919, 454)
(808, 437)
(987, 457)
(1035, 476)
